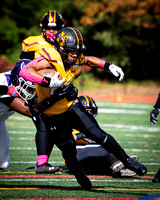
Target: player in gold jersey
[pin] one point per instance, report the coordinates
(50, 23)
(32, 46)
(65, 115)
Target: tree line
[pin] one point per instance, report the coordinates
(125, 33)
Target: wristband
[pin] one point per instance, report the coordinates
(45, 81)
(104, 65)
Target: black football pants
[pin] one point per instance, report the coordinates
(60, 130)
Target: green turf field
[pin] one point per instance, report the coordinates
(127, 122)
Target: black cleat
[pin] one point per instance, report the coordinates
(83, 180)
(46, 168)
(135, 166)
(156, 177)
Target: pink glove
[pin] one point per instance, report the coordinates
(12, 91)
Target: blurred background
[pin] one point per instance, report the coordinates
(124, 32)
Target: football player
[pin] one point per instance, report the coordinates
(9, 103)
(153, 119)
(11, 87)
(92, 156)
(60, 118)
(51, 23)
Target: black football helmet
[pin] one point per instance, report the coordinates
(51, 19)
(89, 103)
(68, 40)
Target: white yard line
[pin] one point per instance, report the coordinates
(122, 111)
(72, 179)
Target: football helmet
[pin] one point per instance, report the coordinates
(51, 19)
(89, 103)
(24, 88)
(69, 40)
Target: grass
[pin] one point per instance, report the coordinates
(128, 123)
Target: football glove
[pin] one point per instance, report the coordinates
(67, 91)
(116, 71)
(55, 82)
(153, 115)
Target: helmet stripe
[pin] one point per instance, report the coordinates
(79, 36)
(52, 16)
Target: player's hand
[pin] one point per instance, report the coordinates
(12, 91)
(116, 71)
(153, 115)
(55, 82)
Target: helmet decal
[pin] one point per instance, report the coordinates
(62, 39)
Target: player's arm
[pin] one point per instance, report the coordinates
(21, 107)
(156, 110)
(30, 73)
(97, 62)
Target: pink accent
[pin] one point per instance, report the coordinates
(29, 77)
(42, 159)
(51, 37)
(102, 63)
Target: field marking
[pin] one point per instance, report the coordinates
(132, 127)
(122, 111)
(132, 150)
(125, 105)
(106, 189)
(71, 179)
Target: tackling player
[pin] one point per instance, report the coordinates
(93, 158)
(60, 118)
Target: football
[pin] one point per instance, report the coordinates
(49, 73)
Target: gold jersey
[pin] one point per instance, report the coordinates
(41, 47)
(36, 44)
(55, 59)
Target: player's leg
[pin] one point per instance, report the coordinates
(4, 146)
(42, 143)
(64, 141)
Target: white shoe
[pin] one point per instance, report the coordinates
(127, 172)
(118, 165)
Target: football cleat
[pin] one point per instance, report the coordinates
(118, 165)
(127, 173)
(156, 177)
(46, 168)
(83, 180)
(135, 166)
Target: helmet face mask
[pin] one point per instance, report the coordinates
(69, 43)
(25, 89)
